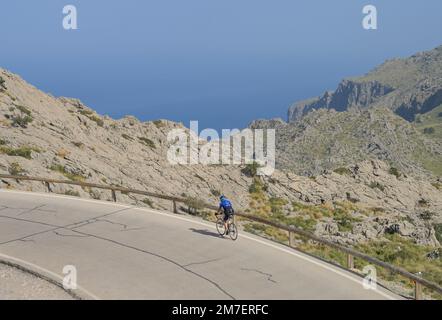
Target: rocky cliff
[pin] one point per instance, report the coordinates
(408, 87)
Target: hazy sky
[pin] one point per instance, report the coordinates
(222, 62)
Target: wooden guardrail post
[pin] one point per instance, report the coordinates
(48, 186)
(114, 195)
(350, 261)
(174, 207)
(291, 238)
(417, 291)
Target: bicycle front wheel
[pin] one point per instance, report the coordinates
(233, 231)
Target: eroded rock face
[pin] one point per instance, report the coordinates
(406, 86)
(348, 95)
(64, 139)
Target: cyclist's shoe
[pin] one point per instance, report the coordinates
(227, 232)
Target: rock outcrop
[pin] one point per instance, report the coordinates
(406, 86)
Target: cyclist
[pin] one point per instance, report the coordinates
(226, 206)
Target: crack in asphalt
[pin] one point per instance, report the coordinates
(32, 209)
(162, 258)
(69, 235)
(28, 210)
(67, 227)
(54, 226)
(202, 262)
(268, 275)
(27, 240)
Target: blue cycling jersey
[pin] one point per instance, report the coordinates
(225, 204)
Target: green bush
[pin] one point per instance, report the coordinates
(85, 112)
(21, 121)
(343, 171)
(376, 185)
(344, 219)
(23, 109)
(2, 84)
(148, 202)
(429, 130)
(257, 186)
(97, 120)
(438, 229)
(147, 142)
(394, 171)
(127, 137)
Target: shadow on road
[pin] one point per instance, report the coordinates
(206, 232)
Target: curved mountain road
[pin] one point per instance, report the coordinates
(124, 252)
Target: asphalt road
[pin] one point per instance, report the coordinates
(124, 252)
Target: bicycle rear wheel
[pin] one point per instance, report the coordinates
(220, 227)
(233, 231)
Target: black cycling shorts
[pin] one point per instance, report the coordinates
(228, 214)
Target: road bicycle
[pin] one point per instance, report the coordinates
(233, 230)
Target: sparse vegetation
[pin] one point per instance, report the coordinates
(147, 142)
(344, 219)
(2, 84)
(92, 116)
(429, 130)
(215, 193)
(78, 144)
(394, 171)
(423, 203)
(72, 193)
(376, 185)
(159, 123)
(21, 121)
(97, 120)
(3, 142)
(23, 109)
(15, 169)
(127, 137)
(343, 171)
(86, 112)
(256, 186)
(194, 205)
(148, 202)
(71, 176)
(24, 152)
(427, 215)
(251, 169)
(437, 185)
(438, 230)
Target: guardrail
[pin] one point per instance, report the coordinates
(292, 230)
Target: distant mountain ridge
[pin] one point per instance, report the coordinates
(407, 86)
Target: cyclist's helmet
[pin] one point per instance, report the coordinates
(222, 197)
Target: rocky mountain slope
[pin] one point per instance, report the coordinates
(408, 87)
(41, 135)
(327, 140)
